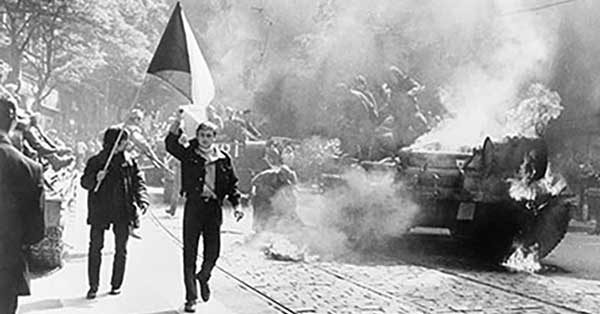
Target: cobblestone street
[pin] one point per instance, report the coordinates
(392, 285)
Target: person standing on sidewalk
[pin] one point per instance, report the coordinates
(121, 195)
(21, 211)
(207, 177)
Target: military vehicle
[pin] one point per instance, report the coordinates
(497, 197)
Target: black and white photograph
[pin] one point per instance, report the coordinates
(299, 156)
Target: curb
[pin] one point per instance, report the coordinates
(579, 226)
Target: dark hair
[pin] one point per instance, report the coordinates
(8, 111)
(111, 134)
(208, 126)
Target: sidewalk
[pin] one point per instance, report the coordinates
(153, 279)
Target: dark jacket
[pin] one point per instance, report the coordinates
(21, 210)
(122, 172)
(193, 171)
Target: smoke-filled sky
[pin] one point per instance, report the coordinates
(284, 58)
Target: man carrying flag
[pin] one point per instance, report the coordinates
(207, 174)
(207, 177)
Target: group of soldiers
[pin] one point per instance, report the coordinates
(394, 113)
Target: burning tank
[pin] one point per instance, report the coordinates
(500, 196)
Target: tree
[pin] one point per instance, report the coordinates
(80, 45)
(43, 43)
(127, 38)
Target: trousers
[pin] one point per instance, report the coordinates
(121, 232)
(201, 217)
(8, 291)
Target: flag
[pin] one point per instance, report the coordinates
(179, 62)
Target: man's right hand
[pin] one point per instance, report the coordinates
(177, 123)
(100, 175)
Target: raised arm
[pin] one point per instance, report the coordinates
(174, 147)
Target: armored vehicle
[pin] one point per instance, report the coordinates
(499, 196)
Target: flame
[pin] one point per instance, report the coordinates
(483, 98)
(479, 118)
(524, 259)
(279, 247)
(551, 184)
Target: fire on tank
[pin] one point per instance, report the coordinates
(500, 196)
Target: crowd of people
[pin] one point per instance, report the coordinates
(117, 193)
(378, 119)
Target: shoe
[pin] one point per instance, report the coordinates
(204, 290)
(190, 307)
(115, 291)
(133, 233)
(91, 294)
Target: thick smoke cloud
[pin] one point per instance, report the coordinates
(285, 58)
(360, 215)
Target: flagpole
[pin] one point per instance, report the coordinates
(121, 131)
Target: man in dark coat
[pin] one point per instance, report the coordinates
(207, 177)
(274, 199)
(21, 211)
(121, 194)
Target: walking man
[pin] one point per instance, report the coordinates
(121, 195)
(21, 211)
(207, 177)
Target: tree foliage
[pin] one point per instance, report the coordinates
(95, 52)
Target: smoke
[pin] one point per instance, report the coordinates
(529, 117)
(483, 91)
(576, 68)
(369, 204)
(341, 205)
(284, 58)
(363, 212)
